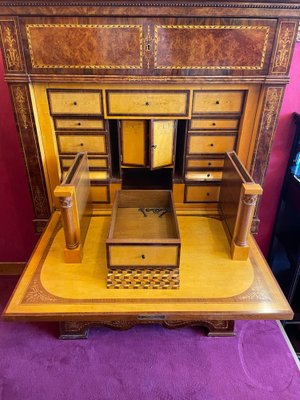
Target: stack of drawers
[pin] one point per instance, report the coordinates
(212, 131)
(79, 126)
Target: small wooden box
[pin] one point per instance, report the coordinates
(143, 245)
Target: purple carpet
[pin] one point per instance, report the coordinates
(147, 362)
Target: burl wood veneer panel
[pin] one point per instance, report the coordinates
(90, 46)
(226, 45)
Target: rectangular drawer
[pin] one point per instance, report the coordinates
(214, 123)
(76, 143)
(143, 256)
(199, 194)
(199, 144)
(195, 163)
(93, 162)
(147, 103)
(79, 123)
(203, 176)
(100, 194)
(230, 101)
(75, 102)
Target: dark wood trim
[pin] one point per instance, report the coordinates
(30, 146)
(12, 268)
(80, 329)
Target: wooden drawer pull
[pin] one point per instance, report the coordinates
(217, 102)
(213, 124)
(208, 175)
(81, 144)
(143, 256)
(79, 123)
(207, 194)
(75, 103)
(211, 145)
(209, 163)
(147, 103)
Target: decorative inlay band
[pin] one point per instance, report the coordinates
(148, 47)
(158, 38)
(284, 47)
(84, 46)
(10, 45)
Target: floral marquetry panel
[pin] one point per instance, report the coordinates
(11, 47)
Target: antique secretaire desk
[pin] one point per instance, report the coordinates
(171, 102)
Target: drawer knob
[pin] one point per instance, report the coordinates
(209, 163)
(143, 256)
(154, 146)
(207, 194)
(147, 103)
(211, 145)
(81, 144)
(217, 102)
(208, 175)
(75, 103)
(213, 124)
(78, 123)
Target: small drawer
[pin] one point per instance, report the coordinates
(230, 101)
(93, 162)
(78, 123)
(196, 163)
(75, 102)
(211, 124)
(147, 103)
(143, 256)
(100, 194)
(201, 144)
(199, 194)
(72, 144)
(98, 175)
(203, 176)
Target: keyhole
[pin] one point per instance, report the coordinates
(148, 48)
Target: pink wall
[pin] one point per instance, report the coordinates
(280, 154)
(17, 236)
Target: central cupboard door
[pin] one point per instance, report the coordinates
(147, 146)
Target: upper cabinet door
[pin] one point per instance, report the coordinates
(133, 135)
(162, 143)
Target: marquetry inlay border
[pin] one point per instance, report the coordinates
(210, 27)
(11, 46)
(89, 26)
(36, 293)
(284, 47)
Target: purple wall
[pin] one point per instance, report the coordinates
(17, 236)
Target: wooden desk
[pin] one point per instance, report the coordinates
(214, 289)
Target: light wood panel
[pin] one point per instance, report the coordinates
(79, 123)
(72, 144)
(197, 194)
(75, 102)
(204, 163)
(216, 123)
(200, 144)
(218, 102)
(162, 143)
(133, 142)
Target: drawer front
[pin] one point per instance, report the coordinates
(98, 175)
(199, 194)
(78, 123)
(143, 256)
(217, 123)
(195, 163)
(75, 102)
(101, 162)
(203, 176)
(147, 103)
(100, 194)
(217, 102)
(198, 144)
(76, 143)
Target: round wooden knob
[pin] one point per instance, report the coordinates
(79, 123)
(211, 145)
(143, 256)
(81, 144)
(213, 124)
(207, 194)
(209, 163)
(75, 103)
(208, 175)
(217, 102)
(147, 103)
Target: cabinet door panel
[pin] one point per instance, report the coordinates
(133, 143)
(162, 143)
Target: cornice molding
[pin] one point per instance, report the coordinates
(156, 3)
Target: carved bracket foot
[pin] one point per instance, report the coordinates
(80, 329)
